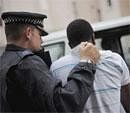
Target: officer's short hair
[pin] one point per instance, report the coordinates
(14, 32)
(78, 31)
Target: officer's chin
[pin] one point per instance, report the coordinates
(37, 49)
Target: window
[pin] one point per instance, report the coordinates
(56, 50)
(125, 41)
(98, 43)
(109, 2)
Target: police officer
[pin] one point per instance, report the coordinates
(25, 81)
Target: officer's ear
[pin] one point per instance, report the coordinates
(28, 33)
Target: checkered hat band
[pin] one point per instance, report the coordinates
(26, 20)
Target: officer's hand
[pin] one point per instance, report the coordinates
(88, 51)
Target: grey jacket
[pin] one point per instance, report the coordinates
(27, 86)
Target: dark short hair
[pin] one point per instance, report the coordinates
(78, 31)
(15, 31)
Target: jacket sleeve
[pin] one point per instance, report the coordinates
(47, 93)
(72, 97)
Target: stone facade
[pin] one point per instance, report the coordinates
(61, 12)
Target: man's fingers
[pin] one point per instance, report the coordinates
(83, 44)
(89, 51)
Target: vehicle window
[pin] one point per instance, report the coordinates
(125, 41)
(56, 50)
(98, 43)
(1, 50)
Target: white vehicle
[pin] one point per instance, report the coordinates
(115, 35)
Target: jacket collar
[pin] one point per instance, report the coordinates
(12, 47)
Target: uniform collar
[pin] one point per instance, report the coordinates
(12, 47)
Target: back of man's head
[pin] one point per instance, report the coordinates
(78, 31)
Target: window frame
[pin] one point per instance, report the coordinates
(55, 43)
(109, 2)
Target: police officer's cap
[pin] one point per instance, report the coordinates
(25, 18)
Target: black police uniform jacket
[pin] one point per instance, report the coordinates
(26, 84)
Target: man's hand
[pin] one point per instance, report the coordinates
(89, 51)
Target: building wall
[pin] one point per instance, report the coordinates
(88, 9)
(62, 12)
(116, 9)
(125, 7)
(21, 5)
(109, 10)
